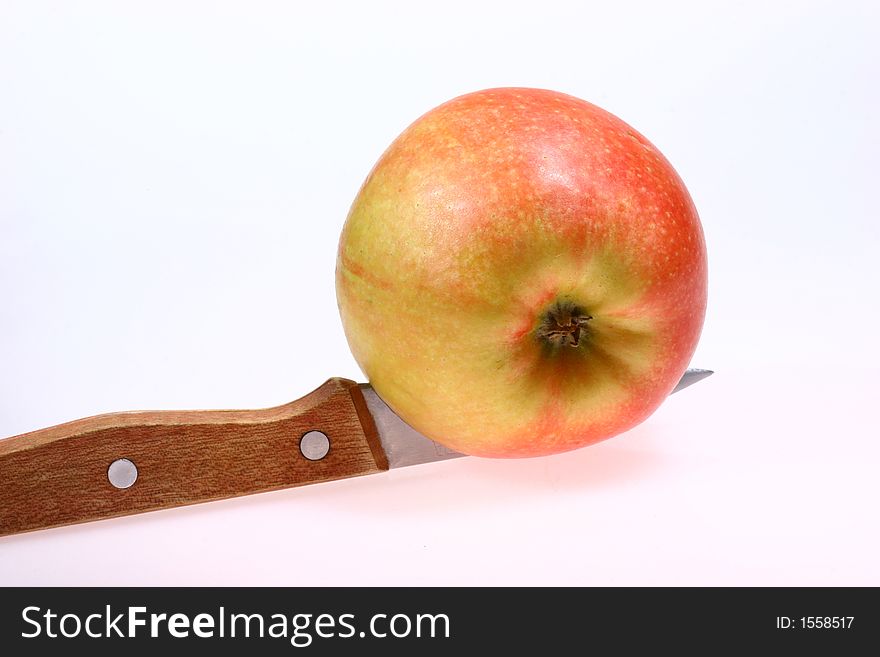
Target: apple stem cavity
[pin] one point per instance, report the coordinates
(563, 324)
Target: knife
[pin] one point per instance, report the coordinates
(124, 463)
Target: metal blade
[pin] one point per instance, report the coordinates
(404, 445)
(690, 377)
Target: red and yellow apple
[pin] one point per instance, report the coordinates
(521, 274)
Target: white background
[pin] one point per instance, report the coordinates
(173, 180)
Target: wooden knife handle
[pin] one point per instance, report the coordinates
(60, 475)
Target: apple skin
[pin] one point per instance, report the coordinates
(522, 274)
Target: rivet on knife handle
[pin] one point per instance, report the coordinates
(125, 463)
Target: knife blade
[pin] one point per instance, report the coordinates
(133, 462)
(405, 446)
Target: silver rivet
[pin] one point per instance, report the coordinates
(122, 473)
(314, 445)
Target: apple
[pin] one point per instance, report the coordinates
(522, 273)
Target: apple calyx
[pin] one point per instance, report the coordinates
(563, 323)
